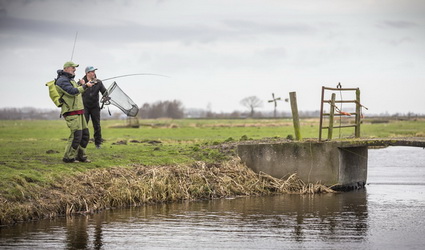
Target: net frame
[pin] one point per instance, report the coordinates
(121, 100)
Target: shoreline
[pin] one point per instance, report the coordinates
(118, 187)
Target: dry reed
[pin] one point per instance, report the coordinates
(100, 189)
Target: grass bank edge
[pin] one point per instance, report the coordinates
(99, 189)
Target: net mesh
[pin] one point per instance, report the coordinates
(118, 98)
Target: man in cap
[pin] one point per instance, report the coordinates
(91, 102)
(72, 111)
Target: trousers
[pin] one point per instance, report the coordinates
(78, 139)
(94, 114)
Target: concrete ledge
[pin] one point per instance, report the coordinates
(334, 164)
(377, 142)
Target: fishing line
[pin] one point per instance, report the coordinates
(73, 48)
(311, 164)
(137, 74)
(340, 117)
(354, 153)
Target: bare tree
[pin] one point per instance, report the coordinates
(172, 109)
(251, 102)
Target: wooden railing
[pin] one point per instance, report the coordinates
(333, 107)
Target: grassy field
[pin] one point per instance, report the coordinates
(31, 151)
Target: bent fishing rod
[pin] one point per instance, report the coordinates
(106, 100)
(73, 48)
(137, 74)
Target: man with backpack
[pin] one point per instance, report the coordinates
(72, 110)
(91, 102)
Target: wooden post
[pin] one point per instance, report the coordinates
(295, 116)
(358, 114)
(331, 117)
(321, 114)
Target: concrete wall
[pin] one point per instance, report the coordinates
(353, 166)
(323, 162)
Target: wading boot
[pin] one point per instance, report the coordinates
(81, 155)
(83, 159)
(73, 160)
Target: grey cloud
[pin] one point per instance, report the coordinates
(24, 26)
(16, 33)
(242, 26)
(199, 32)
(127, 32)
(122, 32)
(401, 41)
(275, 53)
(399, 24)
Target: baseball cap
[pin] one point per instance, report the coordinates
(70, 64)
(90, 68)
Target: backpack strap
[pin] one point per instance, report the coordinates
(61, 100)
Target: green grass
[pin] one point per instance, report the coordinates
(31, 151)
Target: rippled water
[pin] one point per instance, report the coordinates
(388, 214)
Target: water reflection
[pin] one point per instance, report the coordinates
(283, 218)
(98, 233)
(388, 214)
(76, 233)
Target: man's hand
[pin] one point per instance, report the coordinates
(82, 82)
(93, 81)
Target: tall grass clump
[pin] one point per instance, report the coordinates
(106, 188)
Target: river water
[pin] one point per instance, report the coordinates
(387, 214)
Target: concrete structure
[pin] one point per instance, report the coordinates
(337, 164)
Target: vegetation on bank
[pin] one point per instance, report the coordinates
(106, 188)
(162, 161)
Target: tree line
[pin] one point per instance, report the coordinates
(175, 110)
(162, 109)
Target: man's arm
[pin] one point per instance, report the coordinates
(68, 88)
(103, 90)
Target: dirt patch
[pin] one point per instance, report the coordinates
(152, 142)
(122, 142)
(51, 151)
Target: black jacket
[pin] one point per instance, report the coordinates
(91, 95)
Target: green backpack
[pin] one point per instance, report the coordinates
(54, 95)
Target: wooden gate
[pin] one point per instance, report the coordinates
(335, 111)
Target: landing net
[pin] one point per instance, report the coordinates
(118, 98)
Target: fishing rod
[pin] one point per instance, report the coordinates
(137, 74)
(73, 48)
(107, 100)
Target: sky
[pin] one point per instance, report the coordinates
(214, 53)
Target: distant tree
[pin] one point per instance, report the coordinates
(175, 110)
(144, 111)
(28, 113)
(170, 109)
(251, 102)
(157, 110)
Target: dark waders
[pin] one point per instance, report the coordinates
(94, 114)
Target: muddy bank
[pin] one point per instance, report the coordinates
(101, 189)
